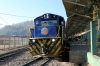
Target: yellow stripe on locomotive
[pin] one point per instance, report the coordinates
(45, 46)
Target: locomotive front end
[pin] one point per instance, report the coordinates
(45, 37)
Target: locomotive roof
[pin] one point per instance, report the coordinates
(49, 14)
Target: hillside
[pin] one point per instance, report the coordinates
(19, 29)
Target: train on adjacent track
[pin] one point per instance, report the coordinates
(47, 35)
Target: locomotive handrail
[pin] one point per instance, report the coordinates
(43, 37)
(46, 26)
(58, 31)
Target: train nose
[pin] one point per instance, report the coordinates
(44, 31)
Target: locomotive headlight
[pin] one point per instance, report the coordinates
(53, 40)
(33, 40)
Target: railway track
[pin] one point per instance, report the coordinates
(39, 62)
(4, 56)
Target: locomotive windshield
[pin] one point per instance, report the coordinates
(49, 23)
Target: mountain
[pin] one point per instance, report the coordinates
(19, 29)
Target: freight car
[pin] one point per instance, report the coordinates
(47, 35)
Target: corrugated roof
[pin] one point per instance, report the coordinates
(79, 13)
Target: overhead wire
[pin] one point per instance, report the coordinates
(13, 15)
(17, 15)
(4, 20)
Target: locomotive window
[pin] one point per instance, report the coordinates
(54, 21)
(62, 23)
(45, 22)
(50, 22)
(37, 22)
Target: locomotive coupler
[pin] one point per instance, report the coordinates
(42, 46)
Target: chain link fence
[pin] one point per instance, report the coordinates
(12, 41)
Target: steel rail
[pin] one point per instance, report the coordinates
(33, 61)
(45, 64)
(11, 53)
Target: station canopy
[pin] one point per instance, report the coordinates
(79, 13)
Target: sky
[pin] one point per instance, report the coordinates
(28, 8)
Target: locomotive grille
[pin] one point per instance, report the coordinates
(51, 48)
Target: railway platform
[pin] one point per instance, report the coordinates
(83, 22)
(78, 52)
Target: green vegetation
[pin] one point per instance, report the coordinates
(20, 29)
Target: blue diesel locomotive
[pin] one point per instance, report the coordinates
(47, 35)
